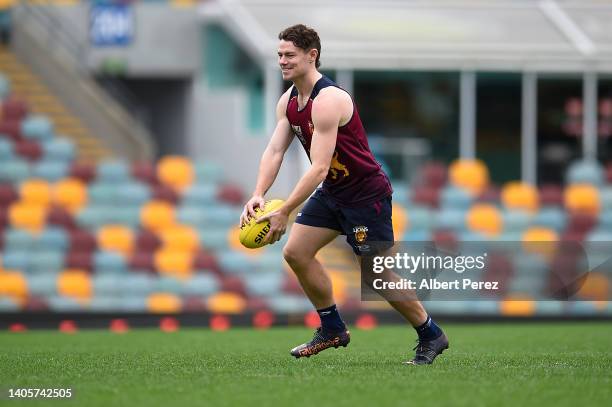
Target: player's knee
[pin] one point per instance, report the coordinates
(293, 256)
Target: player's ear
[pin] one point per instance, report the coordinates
(312, 54)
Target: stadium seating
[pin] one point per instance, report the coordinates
(161, 237)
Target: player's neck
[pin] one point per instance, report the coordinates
(305, 83)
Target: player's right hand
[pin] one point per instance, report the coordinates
(256, 201)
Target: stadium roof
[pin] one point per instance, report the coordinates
(500, 35)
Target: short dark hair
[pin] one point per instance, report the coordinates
(303, 37)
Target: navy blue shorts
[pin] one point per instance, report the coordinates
(362, 225)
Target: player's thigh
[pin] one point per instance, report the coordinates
(305, 241)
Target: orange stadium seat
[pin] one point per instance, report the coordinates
(540, 240)
(180, 237)
(163, 303)
(400, 220)
(471, 175)
(226, 303)
(70, 193)
(520, 195)
(582, 198)
(35, 192)
(176, 172)
(174, 262)
(485, 219)
(74, 283)
(13, 284)
(595, 288)
(157, 215)
(518, 306)
(27, 216)
(116, 238)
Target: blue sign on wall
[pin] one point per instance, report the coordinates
(111, 24)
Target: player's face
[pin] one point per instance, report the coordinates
(293, 61)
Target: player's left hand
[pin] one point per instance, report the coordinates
(278, 225)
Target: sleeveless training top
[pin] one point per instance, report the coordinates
(355, 177)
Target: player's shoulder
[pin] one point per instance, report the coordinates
(332, 96)
(283, 101)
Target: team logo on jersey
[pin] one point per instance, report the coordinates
(311, 127)
(337, 167)
(297, 130)
(361, 233)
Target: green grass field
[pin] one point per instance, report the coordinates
(561, 364)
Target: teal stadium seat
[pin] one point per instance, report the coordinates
(42, 285)
(124, 215)
(585, 171)
(107, 285)
(192, 215)
(472, 236)
(51, 171)
(264, 284)
(15, 171)
(234, 262)
(133, 304)
(289, 304)
(401, 194)
(37, 127)
(202, 285)
(59, 149)
(103, 193)
(64, 304)
(420, 219)
(93, 216)
(207, 172)
(133, 194)
(551, 217)
(509, 236)
(605, 196)
(18, 240)
(213, 238)
(598, 246)
(516, 221)
(105, 304)
(113, 172)
(109, 262)
(167, 284)
(222, 215)
(199, 195)
(555, 308)
(53, 238)
(8, 305)
(136, 284)
(16, 260)
(452, 197)
(7, 150)
(270, 260)
(450, 219)
(605, 219)
(586, 308)
(46, 261)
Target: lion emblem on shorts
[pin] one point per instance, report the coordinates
(361, 233)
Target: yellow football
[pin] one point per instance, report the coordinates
(252, 234)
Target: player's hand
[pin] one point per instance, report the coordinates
(278, 225)
(256, 201)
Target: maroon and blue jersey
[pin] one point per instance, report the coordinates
(355, 178)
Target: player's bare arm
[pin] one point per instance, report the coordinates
(329, 110)
(271, 160)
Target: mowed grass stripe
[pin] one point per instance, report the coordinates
(487, 364)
